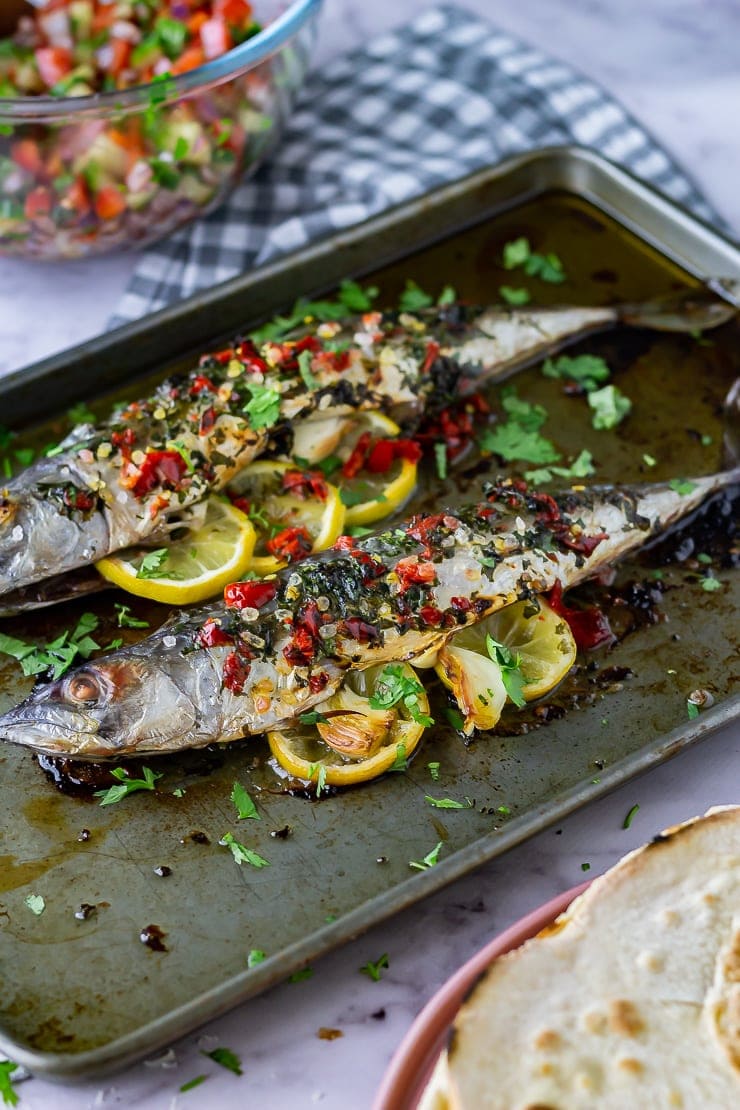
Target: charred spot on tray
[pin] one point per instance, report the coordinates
(282, 834)
(85, 911)
(153, 937)
(84, 836)
(163, 871)
(75, 776)
(196, 836)
(378, 1015)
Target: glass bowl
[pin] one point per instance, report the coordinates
(90, 174)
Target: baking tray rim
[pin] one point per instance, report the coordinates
(162, 1031)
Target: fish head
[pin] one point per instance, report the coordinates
(117, 707)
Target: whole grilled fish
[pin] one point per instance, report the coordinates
(276, 647)
(125, 481)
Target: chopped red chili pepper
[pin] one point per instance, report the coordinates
(236, 672)
(590, 627)
(207, 420)
(201, 384)
(291, 544)
(305, 484)
(78, 499)
(413, 572)
(318, 682)
(431, 356)
(213, 635)
(160, 468)
(301, 649)
(344, 543)
(126, 438)
(360, 630)
(356, 461)
(428, 614)
(249, 595)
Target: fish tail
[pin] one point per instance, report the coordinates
(689, 310)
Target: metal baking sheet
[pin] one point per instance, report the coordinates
(84, 997)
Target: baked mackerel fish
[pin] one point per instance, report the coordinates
(131, 478)
(275, 648)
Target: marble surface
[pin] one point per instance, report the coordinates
(674, 64)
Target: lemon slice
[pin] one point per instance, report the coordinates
(195, 565)
(355, 742)
(368, 496)
(299, 523)
(540, 638)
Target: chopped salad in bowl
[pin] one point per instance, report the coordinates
(122, 120)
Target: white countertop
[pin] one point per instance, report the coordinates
(674, 63)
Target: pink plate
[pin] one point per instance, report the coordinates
(414, 1061)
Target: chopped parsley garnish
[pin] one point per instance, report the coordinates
(514, 296)
(649, 460)
(518, 437)
(193, 1083)
(511, 674)
(581, 467)
(547, 267)
(312, 718)
(81, 414)
(702, 557)
(241, 853)
(178, 446)
(682, 486)
(263, 409)
(414, 298)
(587, 370)
(440, 458)
(447, 296)
(125, 620)
(256, 956)
(126, 785)
(245, 807)
(434, 770)
(317, 774)
(299, 976)
(351, 298)
(610, 406)
(394, 686)
(327, 466)
(226, 1058)
(710, 584)
(629, 818)
(430, 859)
(8, 1092)
(585, 867)
(361, 492)
(400, 763)
(706, 440)
(35, 903)
(304, 367)
(455, 718)
(153, 563)
(373, 970)
(503, 810)
(447, 803)
(692, 709)
(59, 654)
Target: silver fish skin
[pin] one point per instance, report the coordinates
(230, 670)
(122, 482)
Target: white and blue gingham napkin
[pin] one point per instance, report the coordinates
(419, 106)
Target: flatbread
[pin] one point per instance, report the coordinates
(631, 999)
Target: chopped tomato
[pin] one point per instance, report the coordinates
(38, 202)
(54, 63)
(191, 58)
(109, 202)
(215, 38)
(26, 153)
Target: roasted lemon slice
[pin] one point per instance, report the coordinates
(360, 731)
(379, 469)
(539, 643)
(294, 512)
(199, 561)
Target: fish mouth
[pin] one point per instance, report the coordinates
(51, 734)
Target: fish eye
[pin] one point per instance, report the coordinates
(83, 688)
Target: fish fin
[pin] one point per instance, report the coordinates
(689, 310)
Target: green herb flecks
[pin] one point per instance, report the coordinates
(317, 774)
(263, 409)
(630, 816)
(400, 763)
(81, 414)
(7, 1090)
(585, 867)
(649, 460)
(304, 366)
(682, 486)
(448, 803)
(245, 807)
(440, 459)
(241, 853)
(126, 785)
(519, 438)
(430, 859)
(226, 1059)
(59, 654)
(153, 565)
(546, 267)
(587, 370)
(710, 584)
(351, 298)
(581, 467)
(511, 673)
(394, 686)
(609, 405)
(191, 1083)
(256, 956)
(301, 975)
(433, 769)
(692, 709)
(125, 620)
(514, 296)
(313, 717)
(373, 970)
(413, 298)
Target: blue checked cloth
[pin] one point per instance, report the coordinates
(425, 104)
